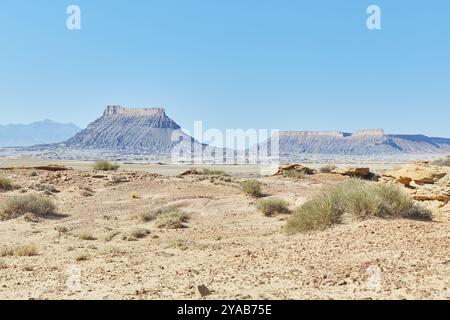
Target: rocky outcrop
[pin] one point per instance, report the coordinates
(419, 173)
(362, 173)
(423, 180)
(295, 167)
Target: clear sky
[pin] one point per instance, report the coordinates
(294, 65)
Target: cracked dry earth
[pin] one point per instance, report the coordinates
(228, 246)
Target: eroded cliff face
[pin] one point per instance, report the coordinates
(363, 142)
(130, 129)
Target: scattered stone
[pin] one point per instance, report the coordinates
(203, 290)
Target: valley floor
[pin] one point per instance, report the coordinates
(227, 245)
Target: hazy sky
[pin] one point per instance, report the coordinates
(296, 65)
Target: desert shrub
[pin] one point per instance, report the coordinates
(111, 235)
(5, 184)
(152, 215)
(444, 162)
(3, 265)
(30, 203)
(270, 207)
(139, 233)
(86, 193)
(85, 235)
(252, 188)
(82, 257)
(292, 173)
(328, 168)
(26, 250)
(213, 172)
(358, 200)
(172, 220)
(104, 165)
(170, 217)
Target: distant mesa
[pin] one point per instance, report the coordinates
(144, 133)
(147, 130)
(363, 142)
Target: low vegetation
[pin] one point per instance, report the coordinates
(139, 233)
(213, 172)
(30, 203)
(169, 217)
(5, 184)
(328, 168)
(292, 173)
(271, 207)
(104, 165)
(252, 188)
(172, 220)
(444, 162)
(26, 250)
(355, 200)
(85, 235)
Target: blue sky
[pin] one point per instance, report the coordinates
(294, 65)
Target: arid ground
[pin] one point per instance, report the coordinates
(98, 247)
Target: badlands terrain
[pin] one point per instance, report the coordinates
(98, 246)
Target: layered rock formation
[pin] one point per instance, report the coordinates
(134, 130)
(366, 142)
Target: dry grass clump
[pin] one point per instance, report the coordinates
(30, 203)
(104, 165)
(3, 265)
(169, 217)
(328, 168)
(292, 173)
(444, 162)
(119, 179)
(252, 188)
(213, 172)
(356, 200)
(85, 235)
(270, 207)
(86, 193)
(139, 233)
(172, 220)
(152, 215)
(5, 184)
(111, 235)
(82, 257)
(26, 250)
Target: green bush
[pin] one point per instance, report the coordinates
(271, 207)
(357, 200)
(30, 203)
(252, 188)
(104, 165)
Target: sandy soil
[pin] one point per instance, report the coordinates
(228, 245)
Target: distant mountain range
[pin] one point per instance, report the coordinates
(42, 132)
(148, 133)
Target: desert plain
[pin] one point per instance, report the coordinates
(98, 246)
